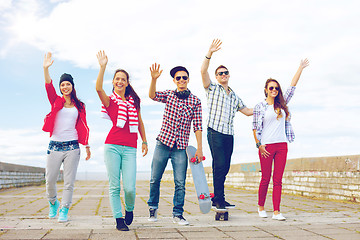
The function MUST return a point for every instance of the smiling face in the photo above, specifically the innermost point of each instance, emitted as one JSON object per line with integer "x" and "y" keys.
{"x": 272, "y": 89}
{"x": 181, "y": 79}
{"x": 120, "y": 82}
{"x": 222, "y": 75}
{"x": 66, "y": 88}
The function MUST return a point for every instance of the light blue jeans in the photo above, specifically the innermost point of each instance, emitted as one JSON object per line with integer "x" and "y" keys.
{"x": 161, "y": 156}
{"x": 121, "y": 161}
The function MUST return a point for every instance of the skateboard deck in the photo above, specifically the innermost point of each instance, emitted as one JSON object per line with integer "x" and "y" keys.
{"x": 221, "y": 215}
{"x": 201, "y": 186}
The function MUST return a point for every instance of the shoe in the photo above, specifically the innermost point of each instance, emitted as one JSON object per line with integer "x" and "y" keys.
{"x": 120, "y": 225}
{"x": 220, "y": 206}
{"x": 278, "y": 217}
{"x": 229, "y": 205}
{"x": 63, "y": 214}
{"x": 129, "y": 216}
{"x": 262, "y": 213}
{"x": 179, "y": 219}
{"x": 53, "y": 208}
{"x": 153, "y": 215}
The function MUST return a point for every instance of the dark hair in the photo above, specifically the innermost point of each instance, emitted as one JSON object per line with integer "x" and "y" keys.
{"x": 129, "y": 91}
{"x": 221, "y": 66}
{"x": 279, "y": 101}
{"x": 79, "y": 104}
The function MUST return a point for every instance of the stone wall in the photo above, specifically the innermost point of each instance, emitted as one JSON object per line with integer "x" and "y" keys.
{"x": 336, "y": 178}
{"x": 13, "y": 175}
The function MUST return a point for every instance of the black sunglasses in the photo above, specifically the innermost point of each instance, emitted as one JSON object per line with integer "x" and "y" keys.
{"x": 272, "y": 88}
{"x": 183, "y": 77}
{"x": 221, "y": 73}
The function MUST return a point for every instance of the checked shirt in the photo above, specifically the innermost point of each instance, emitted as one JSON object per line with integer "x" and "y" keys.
{"x": 178, "y": 115}
{"x": 259, "y": 114}
{"x": 222, "y": 108}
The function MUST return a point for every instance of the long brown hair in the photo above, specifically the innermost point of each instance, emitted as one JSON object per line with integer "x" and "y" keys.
{"x": 79, "y": 104}
{"x": 129, "y": 91}
{"x": 279, "y": 101}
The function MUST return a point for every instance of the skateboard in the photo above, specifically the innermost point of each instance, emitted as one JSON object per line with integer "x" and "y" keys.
{"x": 201, "y": 186}
{"x": 221, "y": 215}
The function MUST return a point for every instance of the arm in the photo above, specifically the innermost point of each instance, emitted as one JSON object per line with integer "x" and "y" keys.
{"x": 103, "y": 60}
{"x": 303, "y": 64}
{"x": 47, "y": 63}
{"x": 262, "y": 148}
{"x": 215, "y": 46}
{"x": 247, "y": 111}
{"x": 199, "y": 153}
{"x": 144, "y": 147}
{"x": 155, "y": 74}
{"x": 88, "y": 153}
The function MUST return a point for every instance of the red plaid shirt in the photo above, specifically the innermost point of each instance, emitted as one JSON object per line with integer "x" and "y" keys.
{"x": 177, "y": 118}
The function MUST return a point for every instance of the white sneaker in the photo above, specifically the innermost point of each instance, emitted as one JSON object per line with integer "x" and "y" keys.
{"x": 278, "y": 217}
{"x": 262, "y": 213}
{"x": 180, "y": 220}
{"x": 153, "y": 215}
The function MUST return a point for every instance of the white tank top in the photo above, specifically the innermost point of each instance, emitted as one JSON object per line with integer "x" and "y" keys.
{"x": 273, "y": 129}
{"x": 64, "y": 129}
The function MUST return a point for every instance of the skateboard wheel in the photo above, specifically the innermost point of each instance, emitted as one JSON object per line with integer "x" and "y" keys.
{"x": 212, "y": 195}
{"x": 193, "y": 160}
{"x": 202, "y": 196}
{"x": 203, "y": 157}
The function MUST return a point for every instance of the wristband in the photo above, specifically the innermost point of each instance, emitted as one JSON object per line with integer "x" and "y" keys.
{"x": 207, "y": 57}
{"x": 144, "y": 143}
{"x": 258, "y": 144}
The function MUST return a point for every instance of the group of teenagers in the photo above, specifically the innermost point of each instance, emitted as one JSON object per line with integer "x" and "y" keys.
{"x": 68, "y": 128}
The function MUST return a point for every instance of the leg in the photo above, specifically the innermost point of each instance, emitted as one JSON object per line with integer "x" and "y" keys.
{"x": 279, "y": 166}
{"x": 179, "y": 163}
{"x": 129, "y": 177}
{"x": 158, "y": 165}
{"x": 112, "y": 157}
{"x": 53, "y": 163}
{"x": 71, "y": 162}
{"x": 266, "y": 167}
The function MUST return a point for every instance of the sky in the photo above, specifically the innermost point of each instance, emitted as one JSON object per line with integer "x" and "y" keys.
{"x": 261, "y": 39}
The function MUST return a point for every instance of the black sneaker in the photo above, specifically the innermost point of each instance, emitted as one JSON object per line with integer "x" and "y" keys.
{"x": 129, "y": 216}
{"x": 153, "y": 215}
{"x": 179, "y": 219}
{"x": 229, "y": 205}
{"x": 220, "y": 206}
{"x": 120, "y": 225}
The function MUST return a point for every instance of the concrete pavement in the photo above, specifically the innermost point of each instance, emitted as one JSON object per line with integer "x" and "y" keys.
{"x": 23, "y": 215}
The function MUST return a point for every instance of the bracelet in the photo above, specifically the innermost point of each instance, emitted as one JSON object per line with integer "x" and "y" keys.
{"x": 144, "y": 143}
{"x": 258, "y": 144}
{"x": 207, "y": 57}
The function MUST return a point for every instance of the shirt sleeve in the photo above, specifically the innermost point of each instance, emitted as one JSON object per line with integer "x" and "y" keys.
{"x": 161, "y": 96}
{"x": 51, "y": 93}
{"x": 241, "y": 104}
{"x": 197, "y": 121}
{"x": 256, "y": 116}
{"x": 211, "y": 87}
{"x": 289, "y": 94}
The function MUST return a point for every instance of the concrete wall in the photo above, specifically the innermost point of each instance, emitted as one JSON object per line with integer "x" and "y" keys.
{"x": 13, "y": 175}
{"x": 336, "y": 178}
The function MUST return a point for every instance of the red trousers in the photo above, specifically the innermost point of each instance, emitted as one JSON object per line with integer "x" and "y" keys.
{"x": 278, "y": 154}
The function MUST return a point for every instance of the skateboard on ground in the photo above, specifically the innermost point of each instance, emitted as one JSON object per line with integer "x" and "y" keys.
{"x": 201, "y": 186}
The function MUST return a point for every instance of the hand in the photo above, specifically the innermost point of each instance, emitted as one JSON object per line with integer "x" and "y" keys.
{"x": 102, "y": 58}
{"x": 263, "y": 151}
{"x": 215, "y": 46}
{"x": 144, "y": 149}
{"x": 47, "y": 60}
{"x": 88, "y": 154}
{"x": 199, "y": 155}
{"x": 304, "y": 63}
{"x": 155, "y": 73}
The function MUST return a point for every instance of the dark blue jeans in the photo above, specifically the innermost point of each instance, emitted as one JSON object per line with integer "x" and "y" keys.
{"x": 221, "y": 147}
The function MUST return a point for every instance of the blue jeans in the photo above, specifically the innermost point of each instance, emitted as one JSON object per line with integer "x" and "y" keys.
{"x": 161, "y": 156}
{"x": 221, "y": 147}
{"x": 121, "y": 161}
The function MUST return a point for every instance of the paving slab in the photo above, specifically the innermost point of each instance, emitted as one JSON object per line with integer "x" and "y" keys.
{"x": 23, "y": 215}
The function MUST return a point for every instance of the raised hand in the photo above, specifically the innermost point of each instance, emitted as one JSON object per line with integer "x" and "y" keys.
{"x": 47, "y": 60}
{"x": 304, "y": 63}
{"x": 155, "y": 71}
{"x": 215, "y": 46}
{"x": 102, "y": 58}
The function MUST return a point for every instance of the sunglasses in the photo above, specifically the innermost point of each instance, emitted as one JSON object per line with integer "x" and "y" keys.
{"x": 272, "y": 88}
{"x": 221, "y": 73}
{"x": 183, "y": 77}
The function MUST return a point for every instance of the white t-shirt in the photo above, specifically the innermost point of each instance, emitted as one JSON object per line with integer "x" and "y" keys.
{"x": 273, "y": 129}
{"x": 64, "y": 129}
